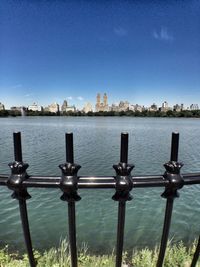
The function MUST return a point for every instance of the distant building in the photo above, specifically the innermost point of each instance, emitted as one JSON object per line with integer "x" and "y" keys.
{"x": 2, "y": 107}
{"x": 114, "y": 107}
{"x": 87, "y": 108}
{"x": 136, "y": 107}
{"x": 123, "y": 106}
{"x": 35, "y": 107}
{"x": 165, "y": 107}
{"x": 13, "y": 108}
{"x": 54, "y": 108}
{"x": 194, "y": 107}
{"x": 21, "y": 109}
{"x": 70, "y": 108}
{"x": 16, "y": 108}
{"x": 132, "y": 107}
{"x": 178, "y": 107}
{"x": 66, "y": 108}
{"x": 102, "y": 106}
{"x": 153, "y": 107}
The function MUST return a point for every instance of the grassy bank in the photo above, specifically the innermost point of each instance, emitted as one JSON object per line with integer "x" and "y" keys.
{"x": 176, "y": 256}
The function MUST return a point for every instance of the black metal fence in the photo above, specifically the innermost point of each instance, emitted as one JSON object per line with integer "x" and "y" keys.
{"x": 69, "y": 182}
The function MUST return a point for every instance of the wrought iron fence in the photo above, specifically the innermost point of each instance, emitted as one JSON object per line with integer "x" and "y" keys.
{"x": 123, "y": 182}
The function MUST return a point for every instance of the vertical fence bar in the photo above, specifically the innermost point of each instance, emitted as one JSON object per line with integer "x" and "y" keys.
{"x": 169, "y": 204}
{"x": 124, "y": 148}
{"x": 196, "y": 254}
{"x": 174, "y": 147}
{"x": 71, "y": 204}
{"x": 22, "y": 203}
{"x": 165, "y": 233}
{"x": 17, "y": 146}
{"x": 69, "y": 147}
{"x": 26, "y": 230}
{"x": 121, "y": 205}
{"x": 120, "y": 232}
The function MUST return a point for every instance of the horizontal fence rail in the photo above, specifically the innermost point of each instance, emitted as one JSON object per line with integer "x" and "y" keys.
{"x": 123, "y": 182}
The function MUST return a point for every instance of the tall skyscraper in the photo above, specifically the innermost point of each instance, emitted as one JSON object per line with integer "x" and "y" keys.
{"x": 105, "y": 100}
{"x": 98, "y": 99}
{"x": 64, "y": 106}
{"x": 2, "y": 107}
{"x": 165, "y": 106}
{"x": 102, "y": 106}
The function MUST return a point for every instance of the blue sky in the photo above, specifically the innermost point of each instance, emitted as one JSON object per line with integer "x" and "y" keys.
{"x": 140, "y": 51}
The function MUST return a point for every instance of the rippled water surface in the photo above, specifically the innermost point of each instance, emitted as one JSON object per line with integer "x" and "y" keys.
{"x": 97, "y": 142}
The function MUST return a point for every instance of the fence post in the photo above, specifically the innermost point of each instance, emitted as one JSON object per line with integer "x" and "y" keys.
{"x": 196, "y": 254}
{"x": 69, "y": 186}
{"x": 15, "y": 183}
{"x": 123, "y": 187}
{"x": 175, "y": 182}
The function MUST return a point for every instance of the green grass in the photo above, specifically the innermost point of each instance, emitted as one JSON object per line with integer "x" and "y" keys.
{"x": 177, "y": 255}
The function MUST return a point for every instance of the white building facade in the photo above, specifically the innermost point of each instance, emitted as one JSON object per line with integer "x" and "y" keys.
{"x": 35, "y": 107}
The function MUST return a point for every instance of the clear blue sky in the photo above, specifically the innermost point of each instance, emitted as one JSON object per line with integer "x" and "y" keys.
{"x": 140, "y": 51}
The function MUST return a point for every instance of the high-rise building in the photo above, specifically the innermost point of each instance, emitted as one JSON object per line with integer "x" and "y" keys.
{"x": 194, "y": 107}
{"x": 64, "y": 106}
{"x": 165, "y": 106}
{"x": 2, "y": 107}
{"x": 54, "y": 108}
{"x": 105, "y": 100}
{"x": 153, "y": 107}
{"x": 182, "y": 106}
{"x": 102, "y": 106}
{"x": 98, "y": 99}
{"x": 87, "y": 108}
{"x": 178, "y": 107}
{"x": 123, "y": 105}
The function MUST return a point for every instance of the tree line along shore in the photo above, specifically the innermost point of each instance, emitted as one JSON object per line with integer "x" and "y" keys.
{"x": 128, "y": 113}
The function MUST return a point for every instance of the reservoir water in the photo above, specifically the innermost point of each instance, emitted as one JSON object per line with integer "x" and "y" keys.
{"x": 96, "y": 144}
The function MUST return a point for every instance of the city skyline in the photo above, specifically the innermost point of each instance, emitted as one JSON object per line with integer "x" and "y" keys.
{"x": 146, "y": 52}
{"x": 102, "y": 104}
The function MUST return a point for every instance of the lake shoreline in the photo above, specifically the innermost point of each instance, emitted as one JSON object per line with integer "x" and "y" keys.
{"x": 128, "y": 113}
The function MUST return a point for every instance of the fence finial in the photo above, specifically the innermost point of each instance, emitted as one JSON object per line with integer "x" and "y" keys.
{"x": 69, "y": 179}
{"x": 15, "y": 183}
{"x": 123, "y": 170}
{"x": 174, "y": 182}
{"x": 18, "y": 171}
{"x": 172, "y": 173}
